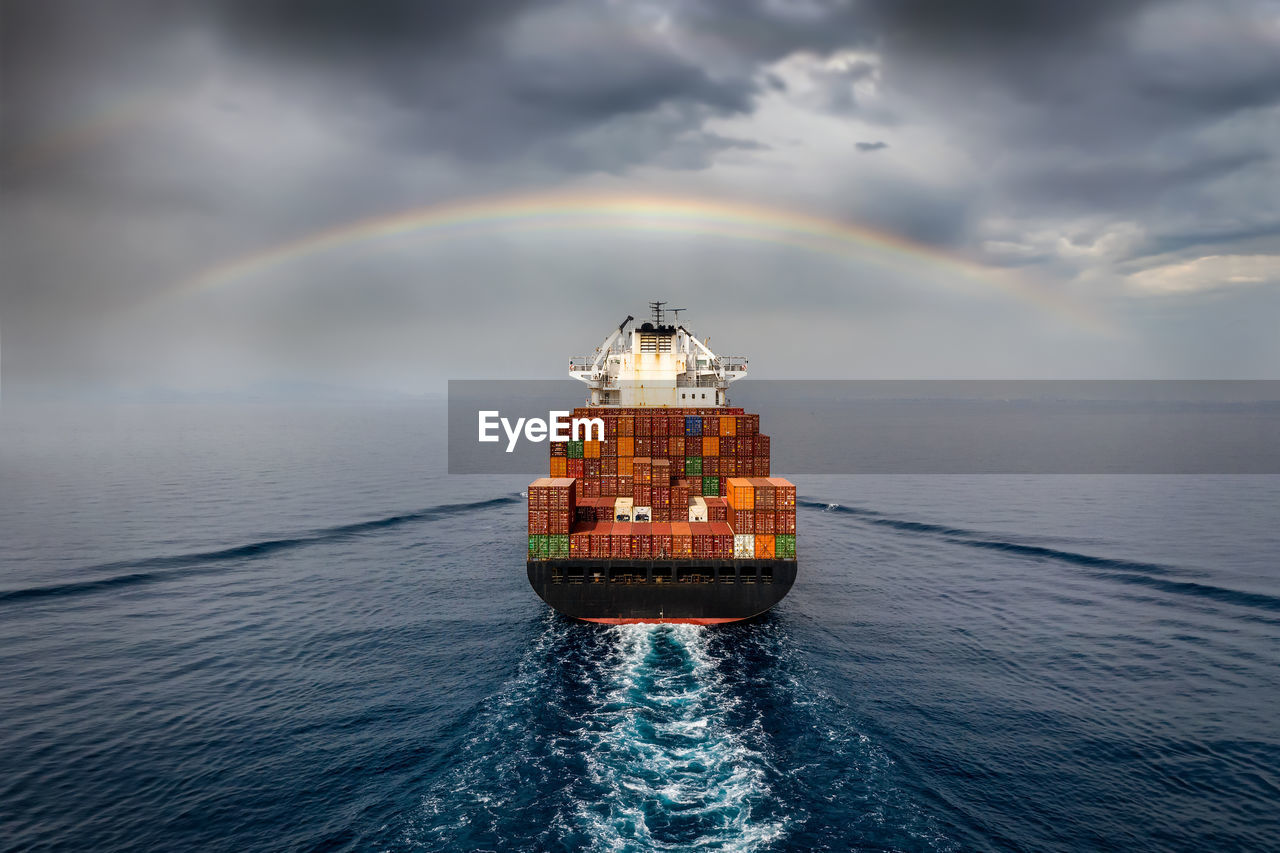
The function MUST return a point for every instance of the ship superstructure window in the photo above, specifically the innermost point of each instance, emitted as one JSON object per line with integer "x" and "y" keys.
{"x": 655, "y": 343}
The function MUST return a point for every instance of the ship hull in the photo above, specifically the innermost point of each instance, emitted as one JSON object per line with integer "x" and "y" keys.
{"x": 701, "y": 592}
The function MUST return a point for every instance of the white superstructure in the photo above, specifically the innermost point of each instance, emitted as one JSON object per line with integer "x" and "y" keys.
{"x": 656, "y": 364}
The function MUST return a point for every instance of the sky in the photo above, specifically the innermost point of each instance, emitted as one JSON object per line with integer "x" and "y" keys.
{"x": 208, "y": 196}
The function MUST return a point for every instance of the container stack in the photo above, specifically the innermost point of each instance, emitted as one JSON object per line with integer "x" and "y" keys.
{"x": 682, "y": 484}
{"x": 551, "y": 517}
{"x": 762, "y": 514}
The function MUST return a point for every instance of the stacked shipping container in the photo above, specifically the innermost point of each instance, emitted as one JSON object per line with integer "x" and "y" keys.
{"x": 762, "y": 513}
{"x": 692, "y": 485}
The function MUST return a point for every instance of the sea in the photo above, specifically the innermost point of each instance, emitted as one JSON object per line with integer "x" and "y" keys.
{"x": 284, "y": 627}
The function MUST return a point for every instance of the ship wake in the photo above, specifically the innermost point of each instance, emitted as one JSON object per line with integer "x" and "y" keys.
{"x": 626, "y": 738}
{"x": 666, "y": 768}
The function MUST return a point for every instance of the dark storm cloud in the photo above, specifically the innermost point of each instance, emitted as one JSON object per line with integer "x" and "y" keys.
{"x": 282, "y": 117}
{"x": 485, "y": 81}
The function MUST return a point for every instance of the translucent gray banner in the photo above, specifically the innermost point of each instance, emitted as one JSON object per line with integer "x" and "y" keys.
{"x": 933, "y": 427}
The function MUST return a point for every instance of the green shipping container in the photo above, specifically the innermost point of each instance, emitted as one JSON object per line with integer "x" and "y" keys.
{"x": 784, "y": 547}
{"x": 711, "y": 486}
{"x": 575, "y": 450}
{"x": 538, "y": 546}
{"x": 558, "y": 546}
{"x": 693, "y": 466}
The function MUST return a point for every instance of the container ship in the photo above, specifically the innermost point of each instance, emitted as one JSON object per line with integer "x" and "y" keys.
{"x": 669, "y": 513}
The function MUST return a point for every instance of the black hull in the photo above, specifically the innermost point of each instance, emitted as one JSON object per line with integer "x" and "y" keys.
{"x": 698, "y": 591}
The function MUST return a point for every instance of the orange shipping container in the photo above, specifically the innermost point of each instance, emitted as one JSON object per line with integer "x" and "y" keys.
{"x": 559, "y": 466}
{"x": 710, "y": 445}
{"x": 626, "y": 445}
{"x": 728, "y": 425}
{"x": 591, "y": 449}
{"x": 740, "y": 493}
{"x": 764, "y": 546}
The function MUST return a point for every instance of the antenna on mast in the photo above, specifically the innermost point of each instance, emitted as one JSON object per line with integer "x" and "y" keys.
{"x": 676, "y": 311}
{"x": 656, "y": 308}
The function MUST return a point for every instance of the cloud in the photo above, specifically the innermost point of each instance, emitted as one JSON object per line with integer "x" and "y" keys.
{"x": 1207, "y": 273}
{"x": 1100, "y": 143}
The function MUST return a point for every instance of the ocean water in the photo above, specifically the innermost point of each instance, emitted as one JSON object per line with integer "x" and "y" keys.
{"x": 285, "y": 628}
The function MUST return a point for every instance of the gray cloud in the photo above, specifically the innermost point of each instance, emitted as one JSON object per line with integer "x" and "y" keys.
{"x": 144, "y": 142}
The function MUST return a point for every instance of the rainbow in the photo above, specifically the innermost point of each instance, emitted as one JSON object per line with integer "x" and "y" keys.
{"x": 653, "y": 213}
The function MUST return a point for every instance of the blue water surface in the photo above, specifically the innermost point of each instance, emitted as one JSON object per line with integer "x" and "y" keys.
{"x": 286, "y": 628}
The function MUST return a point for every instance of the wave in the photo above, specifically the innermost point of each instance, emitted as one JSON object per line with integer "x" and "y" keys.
{"x": 1152, "y": 575}
{"x": 165, "y": 567}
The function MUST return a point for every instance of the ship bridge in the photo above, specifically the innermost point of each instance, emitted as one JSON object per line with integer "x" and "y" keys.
{"x": 656, "y": 363}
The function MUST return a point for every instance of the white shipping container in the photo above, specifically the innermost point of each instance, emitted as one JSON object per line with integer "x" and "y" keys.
{"x": 698, "y": 512}
{"x": 642, "y": 513}
{"x": 744, "y": 546}
{"x": 622, "y": 509}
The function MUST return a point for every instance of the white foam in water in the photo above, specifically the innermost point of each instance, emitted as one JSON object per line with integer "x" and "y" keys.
{"x": 666, "y": 769}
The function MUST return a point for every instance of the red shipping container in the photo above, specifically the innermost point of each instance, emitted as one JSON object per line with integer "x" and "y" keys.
{"x": 642, "y": 470}
{"x": 580, "y": 542}
{"x": 662, "y": 547}
{"x": 722, "y": 541}
{"x": 766, "y": 522}
{"x": 786, "y": 521}
{"x": 624, "y": 487}
{"x": 643, "y": 495}
{"x": 601, "y": 544}
{"x": 675, "y": 446}
{"x": 717, "y": 510}
{"x": 608, "y": 486}
{"x": 764, "y": 492}
{"x": 681, "y": 540}
{"x": 659, "y": 427}
{"x": 620, "y": 540}
{"x": 710, "y": 425}
{"x": 641, "y": 541}
{"x": 742, "y": 520}
{"x": 786, "y": 492}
